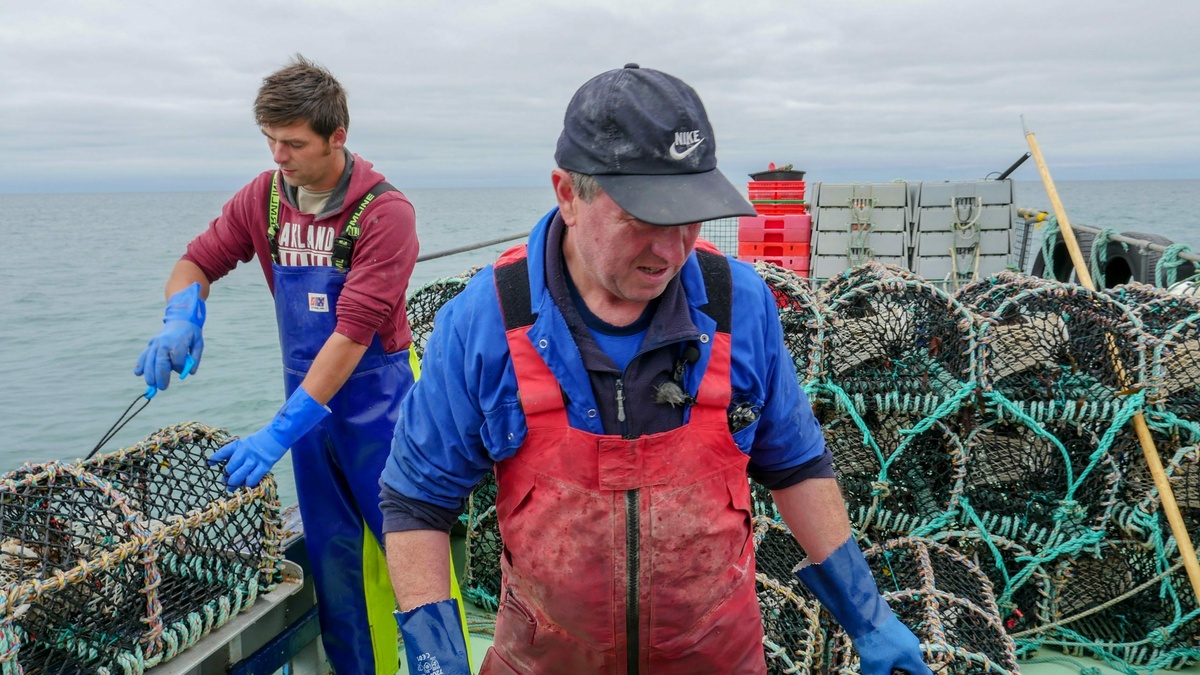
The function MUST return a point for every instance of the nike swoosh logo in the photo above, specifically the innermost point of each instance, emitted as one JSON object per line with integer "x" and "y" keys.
{"x": 677, "y": 155}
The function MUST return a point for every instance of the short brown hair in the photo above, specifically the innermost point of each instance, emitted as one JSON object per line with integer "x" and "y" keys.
{"x": 302, "y": 91}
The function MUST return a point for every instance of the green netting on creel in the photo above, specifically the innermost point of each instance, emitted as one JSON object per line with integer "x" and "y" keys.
{"x": 945, "y": 600}
{"x": 121, "y": 562}
{"x": 899, "y": 337}
{"x": 1157, "y": 308}
{"x": 1170, "y": 327}
{"x": 997, "y": 420}
{"x": 1063, "y": 344}
{"x": 800, "y": 313}
{"x": 1028, "y": 604}
{"x": 481, "y": 580}
{"x": 894, "y": 481}
{"x": 862, "y": 275}
{"x": 423, "y": 305}
{"x": 1139, "y": 505}
{"x": 1145, "y": 619}
{"x": 1041, "y": 486}
{"x": 1174, "y": 381}
{"x": 986, "y": 293}
{"x": 77, "y": 589}
{"x": 794, "y": 634}
{"x": 216, "y": 550}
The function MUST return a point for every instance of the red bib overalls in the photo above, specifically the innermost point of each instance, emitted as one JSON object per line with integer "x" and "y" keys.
{"x": 624, "y": 555}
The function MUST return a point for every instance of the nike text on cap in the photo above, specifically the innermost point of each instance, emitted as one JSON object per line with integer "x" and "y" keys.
{"x": 644, "y": 136}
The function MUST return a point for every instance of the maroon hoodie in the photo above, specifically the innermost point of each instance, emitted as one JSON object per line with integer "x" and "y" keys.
{"x": 383, "y": 259}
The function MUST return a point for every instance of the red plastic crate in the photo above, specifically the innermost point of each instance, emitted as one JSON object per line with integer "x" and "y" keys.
{"x": 797, "y": 264}
{"x": 770, "y": 249}
{"x": 776, "y": 207}
{"x": 796, "y": 227}
{"x": 775, "y": 189}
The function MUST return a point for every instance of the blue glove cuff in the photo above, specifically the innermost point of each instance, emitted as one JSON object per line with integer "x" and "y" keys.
{"x": 297, "y": 417}
{"x": 845, "y": 586}
{"x": 186, "y": 305}
{"x": 433, "y": 639}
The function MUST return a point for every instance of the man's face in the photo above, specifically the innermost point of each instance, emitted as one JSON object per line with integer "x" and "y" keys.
{"x": 306, "y": 159}
{"x": 625, "y": 263}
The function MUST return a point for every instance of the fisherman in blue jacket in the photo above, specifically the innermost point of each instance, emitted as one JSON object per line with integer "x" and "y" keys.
{"x": 622, "y": 381}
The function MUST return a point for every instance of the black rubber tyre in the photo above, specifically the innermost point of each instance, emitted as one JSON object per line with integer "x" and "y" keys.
{"x": 1145, "y": 261}
{"x": 1064, "y": 269}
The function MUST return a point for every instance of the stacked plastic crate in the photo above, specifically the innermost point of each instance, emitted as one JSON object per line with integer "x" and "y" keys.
{"x": 963, "y": 230}
{"x": 781, "y": 233}
{"x": 857, "y": 223}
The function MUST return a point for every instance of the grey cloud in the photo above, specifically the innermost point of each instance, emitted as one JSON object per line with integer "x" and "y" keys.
{"x": 146, "y": 95}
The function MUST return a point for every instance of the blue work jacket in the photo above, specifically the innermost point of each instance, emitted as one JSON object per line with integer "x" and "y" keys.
{"x": 463, "y": 414}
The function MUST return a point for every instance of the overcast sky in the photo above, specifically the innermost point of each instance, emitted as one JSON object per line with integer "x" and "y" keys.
{"x": 139, "y": 96}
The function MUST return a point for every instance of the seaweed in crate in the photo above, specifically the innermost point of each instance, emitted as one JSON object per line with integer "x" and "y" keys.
{"x": 77, "y": 574}
{"x": 215, "y": 550}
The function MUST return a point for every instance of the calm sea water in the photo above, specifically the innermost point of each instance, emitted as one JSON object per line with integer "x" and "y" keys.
{"x": 82, "y": 293}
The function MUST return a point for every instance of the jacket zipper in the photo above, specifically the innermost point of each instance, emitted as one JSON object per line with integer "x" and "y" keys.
{"x": 620, "y": 385}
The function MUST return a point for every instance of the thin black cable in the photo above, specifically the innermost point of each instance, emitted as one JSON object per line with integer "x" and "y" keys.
{"x": 119, "y": 424}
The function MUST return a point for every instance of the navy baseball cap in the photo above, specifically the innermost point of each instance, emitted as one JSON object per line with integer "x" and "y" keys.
{"x": 645, "y": 138}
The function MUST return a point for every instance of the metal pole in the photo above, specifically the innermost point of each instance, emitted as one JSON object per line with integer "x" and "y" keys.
{"x": 472, "y": 247}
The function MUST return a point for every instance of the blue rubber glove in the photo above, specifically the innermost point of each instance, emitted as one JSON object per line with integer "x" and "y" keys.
{"x": 179, "y": 340}
{"x": 249, "y": 459}
{"x": 433, "y": 639}
{"x": 844, "y": 585}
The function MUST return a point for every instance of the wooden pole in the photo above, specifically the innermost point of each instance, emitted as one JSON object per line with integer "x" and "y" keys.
{"x": 1183, "y": 541}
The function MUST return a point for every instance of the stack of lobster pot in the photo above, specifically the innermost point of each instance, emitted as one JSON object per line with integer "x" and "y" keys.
{"x": 896, "y": 367}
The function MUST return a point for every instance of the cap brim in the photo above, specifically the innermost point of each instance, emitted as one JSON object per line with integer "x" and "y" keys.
{"x": 676, "y": 199}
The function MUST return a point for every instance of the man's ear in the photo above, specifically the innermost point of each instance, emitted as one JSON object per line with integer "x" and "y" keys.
{"x": 564, "y": 192}
{"x": 337, "y": 139}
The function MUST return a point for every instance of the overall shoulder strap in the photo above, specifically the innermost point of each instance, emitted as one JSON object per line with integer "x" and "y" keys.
{"x": 718, "y": 284}
{"x": 273, "y": 218}
{"x": 714, "y": 393}
{"x": 511, "y": 273}
{"x": 343, "y": 246}
{"x": 540, "y": 394}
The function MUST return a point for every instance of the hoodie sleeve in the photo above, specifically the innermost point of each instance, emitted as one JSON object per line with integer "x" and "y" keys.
{"x": 230, "y": 239}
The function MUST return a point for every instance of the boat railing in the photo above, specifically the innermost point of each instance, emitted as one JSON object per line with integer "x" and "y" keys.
{"x": 1033, "y": 217}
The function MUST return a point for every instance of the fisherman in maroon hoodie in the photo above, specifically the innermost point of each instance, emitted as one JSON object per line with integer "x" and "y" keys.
{"x": 337, "y": 245}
